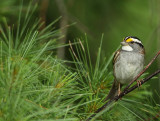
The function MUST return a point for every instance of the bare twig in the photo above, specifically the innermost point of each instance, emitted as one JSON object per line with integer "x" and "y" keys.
{"x": 142, "y": 82}
{"x": 127, "y": 89}
{"x": 116, "y": 98}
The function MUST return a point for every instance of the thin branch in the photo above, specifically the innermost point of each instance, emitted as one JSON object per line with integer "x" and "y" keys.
{"x": 142, "y": 82}
{"x": 116, "y": 98}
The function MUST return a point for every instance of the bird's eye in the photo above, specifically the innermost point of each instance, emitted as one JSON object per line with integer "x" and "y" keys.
{"x": 132, "y": 42}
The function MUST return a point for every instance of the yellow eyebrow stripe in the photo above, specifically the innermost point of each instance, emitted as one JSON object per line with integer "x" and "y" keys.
{"x": 129, "y": 40}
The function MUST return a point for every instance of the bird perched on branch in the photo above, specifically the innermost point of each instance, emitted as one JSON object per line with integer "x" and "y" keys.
{"x": 128, "y": 62}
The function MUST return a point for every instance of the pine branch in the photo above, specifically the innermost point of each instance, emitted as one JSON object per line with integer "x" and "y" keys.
{"x": 127, "y": 89}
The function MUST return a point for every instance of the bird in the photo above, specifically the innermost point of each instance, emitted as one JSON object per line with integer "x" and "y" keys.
{"x": 128, "y": 62}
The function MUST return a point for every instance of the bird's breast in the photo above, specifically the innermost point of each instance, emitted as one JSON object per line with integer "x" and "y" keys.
{"x": 127, "y": 67}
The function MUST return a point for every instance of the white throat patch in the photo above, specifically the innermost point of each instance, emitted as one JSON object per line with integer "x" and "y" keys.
{"x": 127, "y": 48}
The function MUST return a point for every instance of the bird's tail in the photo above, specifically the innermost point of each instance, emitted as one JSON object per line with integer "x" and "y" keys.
{"x": 113, "y": 92}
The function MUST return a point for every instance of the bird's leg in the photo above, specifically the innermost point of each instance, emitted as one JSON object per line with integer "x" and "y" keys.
{"x": 139, "y": 83}
{"x": 119, "y": 89}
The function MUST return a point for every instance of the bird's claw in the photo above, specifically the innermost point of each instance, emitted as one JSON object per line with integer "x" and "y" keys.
{"x": 119, "y": 89}
{"x": 139, "y": 83}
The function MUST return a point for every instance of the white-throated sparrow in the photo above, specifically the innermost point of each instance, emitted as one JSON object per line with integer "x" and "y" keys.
{"x": 127, "y": 63}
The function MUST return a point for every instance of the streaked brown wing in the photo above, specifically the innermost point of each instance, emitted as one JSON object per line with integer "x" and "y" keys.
{"x": 116, "y": 56}
{"x": 142, "y": 51}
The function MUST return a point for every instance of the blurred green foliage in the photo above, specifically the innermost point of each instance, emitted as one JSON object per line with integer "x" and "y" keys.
{"x": 116, "y": 19}
{"x": 79, "y": 91}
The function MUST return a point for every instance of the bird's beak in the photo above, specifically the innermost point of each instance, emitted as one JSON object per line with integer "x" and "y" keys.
{"x": 124, "y": 43}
